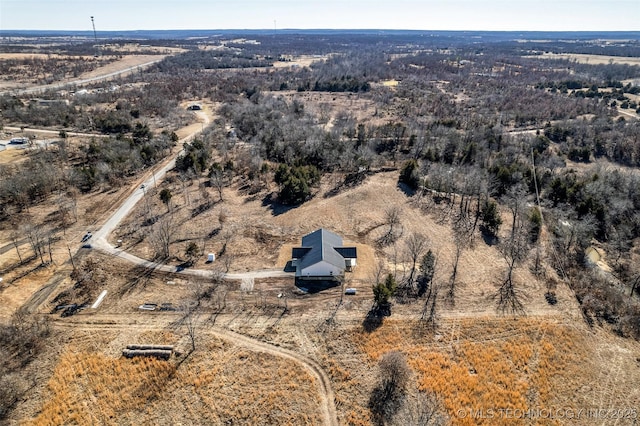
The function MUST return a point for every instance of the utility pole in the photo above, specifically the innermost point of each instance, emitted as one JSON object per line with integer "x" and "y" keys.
{"x": 95, "y": 36}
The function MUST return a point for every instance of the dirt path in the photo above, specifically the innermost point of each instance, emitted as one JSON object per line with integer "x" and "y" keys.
{"x": 323, "y": 382}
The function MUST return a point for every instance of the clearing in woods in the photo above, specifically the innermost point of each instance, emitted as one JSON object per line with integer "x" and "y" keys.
{"x": 592, "y": 59}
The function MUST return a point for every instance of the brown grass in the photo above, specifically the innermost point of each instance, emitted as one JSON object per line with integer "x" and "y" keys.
{"x": 493, "y": 364}
{"x": 218, "y": 384}
{"x": 591, "y": 59}
{"x": 12, "y": 156}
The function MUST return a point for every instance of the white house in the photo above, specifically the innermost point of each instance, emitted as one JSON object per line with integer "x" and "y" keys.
{"x": 322, "y": 257}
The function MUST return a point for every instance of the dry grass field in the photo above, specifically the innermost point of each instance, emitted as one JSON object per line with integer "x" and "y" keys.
{"x": 484, "y": 364}
{"x": 220, "y": 383}
{"x": 299, "y": 61}
{"x": 12, "y": 156}
{"x": 592, "y": 59}
{"x": 258, "y": 237}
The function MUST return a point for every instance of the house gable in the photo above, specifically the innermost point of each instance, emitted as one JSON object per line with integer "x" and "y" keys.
{"x": 322, "y": 256}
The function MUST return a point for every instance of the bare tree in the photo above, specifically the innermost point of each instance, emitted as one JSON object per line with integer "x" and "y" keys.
{"x": 63, "y": 214}
{"x": 191, "y": 323}
{"x": 415, "y": 245}
{"x": 162, "y": 235}
{"x": 515, "y": 200}
{"x": 50, "y": 236}
{"x": 184, "y": 178}
{"x": 514, "y": 250}
{"x": 217, "y": 179}
{"x": 73, "y": 195}
{"x": 463, "y": 239}
{"x": 15, "y": 240}
{"x": 392, "y": 220}
{"x": 36, "y": 236}
{"x": 429, "y": 311}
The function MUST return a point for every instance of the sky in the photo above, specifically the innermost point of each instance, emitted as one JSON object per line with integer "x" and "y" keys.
{"x": 486, "y": 15}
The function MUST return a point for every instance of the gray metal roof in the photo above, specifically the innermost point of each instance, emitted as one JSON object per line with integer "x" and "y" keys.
{"x": 347, "y": 252}
{"x": 322, "y": 243}
{"x": 299, "y": 252}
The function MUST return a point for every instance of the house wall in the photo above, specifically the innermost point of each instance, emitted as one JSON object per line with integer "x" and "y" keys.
{"x": 321, "y": 269}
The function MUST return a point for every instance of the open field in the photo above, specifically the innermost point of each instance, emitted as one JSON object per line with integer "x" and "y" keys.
{"x": 473, "y": 363}
{"x": 299, "y": 61}
{"x": 219, "y": 384}
{"x": 8, "y": 156}
{"x": 591, "y": 59}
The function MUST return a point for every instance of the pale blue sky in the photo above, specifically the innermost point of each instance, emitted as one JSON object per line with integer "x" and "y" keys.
{"x": 519, "y": 15}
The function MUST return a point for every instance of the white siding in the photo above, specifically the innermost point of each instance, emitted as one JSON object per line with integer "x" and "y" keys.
{"x": 321, "y": 269}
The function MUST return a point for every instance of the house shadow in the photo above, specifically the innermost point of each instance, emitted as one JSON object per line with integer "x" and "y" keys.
{"x": 312, "y": 287}
{"x": 276, "y": 208}
{"x": 289, "y": 267}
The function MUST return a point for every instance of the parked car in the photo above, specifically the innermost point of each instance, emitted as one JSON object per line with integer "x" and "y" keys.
{"x": 148, "y": 307}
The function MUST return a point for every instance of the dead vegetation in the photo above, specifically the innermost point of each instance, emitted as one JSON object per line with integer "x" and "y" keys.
{"x": 222, "y": 383}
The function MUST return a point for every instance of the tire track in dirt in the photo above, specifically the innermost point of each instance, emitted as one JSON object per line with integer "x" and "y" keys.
{"x": 323, "y": 382}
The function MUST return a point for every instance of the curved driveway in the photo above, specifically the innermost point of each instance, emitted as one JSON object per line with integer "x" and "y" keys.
{"x": 100, "y": 241}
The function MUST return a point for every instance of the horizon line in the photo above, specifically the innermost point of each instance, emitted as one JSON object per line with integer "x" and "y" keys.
{"x": 322, "y": 29}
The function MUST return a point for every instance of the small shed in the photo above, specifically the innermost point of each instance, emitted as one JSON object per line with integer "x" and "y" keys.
{"x": 211, "y": 257}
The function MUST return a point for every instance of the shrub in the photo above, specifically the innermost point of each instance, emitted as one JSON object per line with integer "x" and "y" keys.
{"x": 409, "y": 174}
{"x": 295, "y": 183}
{"x": 490, "y": 216}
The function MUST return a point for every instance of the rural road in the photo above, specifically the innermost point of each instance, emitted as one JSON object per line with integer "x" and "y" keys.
{"x": 80, "y": 82}
{"x": 55, "y": 132}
